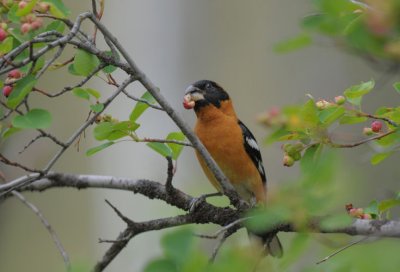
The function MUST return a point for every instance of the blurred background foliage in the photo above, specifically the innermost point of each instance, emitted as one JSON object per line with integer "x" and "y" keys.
{"x": 231, "y": 42}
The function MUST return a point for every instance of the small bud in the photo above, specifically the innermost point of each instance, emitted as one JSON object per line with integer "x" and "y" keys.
{"x": 376, "y": 126}
{"x": 4, "y": 26}
{"x": 297, "y": 156}
{"x": 7, "y": 90}
{"x": 37, "y": 23}
{"x": 14, "y": 74}
{"x": 322, "y": 104}
{"x": 288, "y": 161}
{"x": 340, "y": 100}
{"x": 286, "y": 147}
{"x": 25, "y": 28}
{"x": 22, "y": 4}
{"x": 43, "y": 7}
{"x": 367, "y": 131}
{"x": 3, "y": 34}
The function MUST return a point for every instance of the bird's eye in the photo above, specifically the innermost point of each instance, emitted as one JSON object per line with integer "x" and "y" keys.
{"x": 208, "y": 86}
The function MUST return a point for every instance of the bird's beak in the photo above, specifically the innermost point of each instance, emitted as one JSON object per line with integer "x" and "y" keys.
{"x": 192, "y": 94}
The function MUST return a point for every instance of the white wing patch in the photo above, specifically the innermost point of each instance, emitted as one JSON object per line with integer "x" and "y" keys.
{"x": 261, "y": 168}
{"x": 252, "y": 143}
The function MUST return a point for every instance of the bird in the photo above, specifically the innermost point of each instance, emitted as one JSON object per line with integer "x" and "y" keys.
{"x": 233, "y": 147}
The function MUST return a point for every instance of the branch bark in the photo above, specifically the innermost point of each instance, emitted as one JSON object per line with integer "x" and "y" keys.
{"x": 205, "y": 213}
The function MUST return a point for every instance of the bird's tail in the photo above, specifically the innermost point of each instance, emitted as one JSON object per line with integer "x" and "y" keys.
{"x": 270, "y": 242}
{"x": 272, "y": 246}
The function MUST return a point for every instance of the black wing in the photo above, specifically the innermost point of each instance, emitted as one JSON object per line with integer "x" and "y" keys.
{"x": 252, "y": 149}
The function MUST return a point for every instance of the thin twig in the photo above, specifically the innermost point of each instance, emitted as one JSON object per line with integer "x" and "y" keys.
{"x": 170, "y": 175}
{"x": 128, "y": 221}
{"x": 48, "y": 227}
{"x": 342, "y": 249}
{"x": 50, "y": 61}
{"x": 153, "y": 140}
{"x": 377, "y": 137}
{"x": 15, "y": 164}
{"x": 222, "y": 230}
{"x": 143, "y": 101}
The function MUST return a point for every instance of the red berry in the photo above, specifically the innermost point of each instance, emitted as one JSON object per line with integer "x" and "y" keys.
{"x": 43, "y": 7}
{"x": 3, "y": 34}
{"x": 37, "y": 23}
{"x": 26, "y": 27}
{"x": 22, "y": 4}
{"x": 7, "y": 90}
{"x": 376, "y": 126}
{"x": 15, "y": 74}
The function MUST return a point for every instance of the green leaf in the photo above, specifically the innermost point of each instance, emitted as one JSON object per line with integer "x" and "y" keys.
{"x": 9, "y": 131}
{"x": 276, "y": 135}
{"x": 72, "y": 71}
{"x": 93, "y": 93}
{"x": 111, "y": 132}
{"x": 349, "y": 120}
{"x": 57, "y": 8}
{"x": 387, "y": 204}
{"x": 97, "y": 107}
{"x": 22, "y": 88}
{"x": 6, "y": 45}
{"x": 294, "y": 251}
{"x": 161, "y": 265}
{"x": 355, "y": 93}
{"x": 313, "y": 21}
{"x": 82, "y": 93}
{"x": 126, "y": 126}
{"x": 264, "y": 219}
{"x": 331, "y": 115}
{"x": 39, "y": 64}
{"x": 12, "y": 13}
{"x": 103, "y": 130}
{"x": 295, "y": 43}
{"x": 178, "y": 245}
{"x": 397, "y": 87}
{"x": 141, "y": 107}
{"x": 110, "y": 68}
{"x": 309, "y": 114}
{"x": 27, "y": 9}
{"x": 85, "y": 63}
{"x": 160, "y": 148}
{"x": 372, "y": 208}
{"x": 336, "y": 221}
{"x": 35, "y": 118}
{"x": 379, "y": 157}
{"x": 176, "y": 148}
{"x": 96, "y": 149}
{"x": 57, "y": 26}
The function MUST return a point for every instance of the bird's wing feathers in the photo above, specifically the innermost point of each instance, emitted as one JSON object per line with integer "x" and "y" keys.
{"x": 252, "y": 149}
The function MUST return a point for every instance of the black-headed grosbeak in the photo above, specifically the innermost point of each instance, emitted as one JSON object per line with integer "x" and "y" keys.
{"x": 232, "y": 146}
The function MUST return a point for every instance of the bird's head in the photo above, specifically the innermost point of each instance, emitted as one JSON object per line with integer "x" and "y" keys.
{"x": 203, "y": 93}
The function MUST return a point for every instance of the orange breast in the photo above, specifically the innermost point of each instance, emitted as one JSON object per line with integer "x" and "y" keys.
{"x": 222, "y": 136}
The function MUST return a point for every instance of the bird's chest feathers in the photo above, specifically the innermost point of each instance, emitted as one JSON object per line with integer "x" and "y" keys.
{"x": 223, "y": 138}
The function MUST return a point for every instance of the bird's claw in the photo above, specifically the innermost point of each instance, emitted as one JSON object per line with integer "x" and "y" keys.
{"x": 196, "y": 201}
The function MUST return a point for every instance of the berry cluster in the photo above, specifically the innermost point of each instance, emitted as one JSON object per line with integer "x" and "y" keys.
{"x": 292, "y": 153}
{"x": 11, "y": 78}
{"x": 357, "y": 212}
{"x": 323, "y": 104}
{"x": 29, "y": 23}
